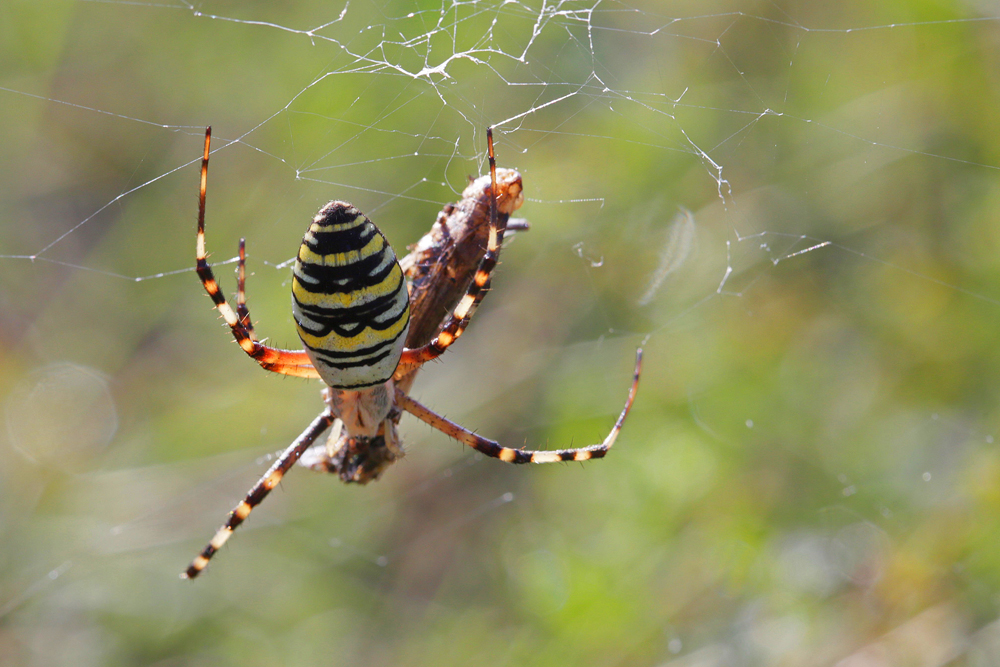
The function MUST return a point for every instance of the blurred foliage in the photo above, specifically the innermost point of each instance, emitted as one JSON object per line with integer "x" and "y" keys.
{"x": 810, "y": 475}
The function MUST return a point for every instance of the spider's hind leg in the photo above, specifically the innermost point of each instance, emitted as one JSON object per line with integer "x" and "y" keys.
{"x": 259, "y": 491}
{"x": 510, "y": 454}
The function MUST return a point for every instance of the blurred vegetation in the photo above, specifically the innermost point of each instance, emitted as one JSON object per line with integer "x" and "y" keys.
{"x": 810, "y": 475}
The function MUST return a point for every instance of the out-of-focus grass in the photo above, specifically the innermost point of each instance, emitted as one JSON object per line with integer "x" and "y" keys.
{"x": 810, "y": 473}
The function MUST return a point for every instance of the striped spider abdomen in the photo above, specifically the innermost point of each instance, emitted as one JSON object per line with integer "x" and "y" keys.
{"x": 349, "y": 299}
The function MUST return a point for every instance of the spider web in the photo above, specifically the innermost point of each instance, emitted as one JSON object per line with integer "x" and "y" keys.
{"x": 789, "y": 208}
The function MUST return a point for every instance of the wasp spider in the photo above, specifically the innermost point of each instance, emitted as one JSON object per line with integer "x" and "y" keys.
{"x": 351, "y": 309}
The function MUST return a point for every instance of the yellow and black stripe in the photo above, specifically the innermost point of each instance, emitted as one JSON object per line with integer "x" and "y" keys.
{"x": 349, "y": 299}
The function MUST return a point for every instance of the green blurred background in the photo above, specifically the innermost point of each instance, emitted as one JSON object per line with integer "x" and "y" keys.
{"x": 792, "y": 206}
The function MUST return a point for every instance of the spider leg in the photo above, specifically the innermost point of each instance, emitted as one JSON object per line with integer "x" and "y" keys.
{"x": 242, "y": 311}
{"x": 285, "y": 362}
{"x": 477, "y": 288}
{"x": 259, "y": 492}
{"x": 510, "y": 455}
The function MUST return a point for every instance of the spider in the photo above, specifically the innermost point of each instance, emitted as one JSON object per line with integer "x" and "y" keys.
{"x": 351, "y": 309}
{"x": 438, "y": 270}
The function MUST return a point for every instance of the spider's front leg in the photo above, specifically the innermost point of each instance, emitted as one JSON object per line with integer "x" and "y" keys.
{"x": 284, "y": 362}
{"x": 413, "y": 359}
